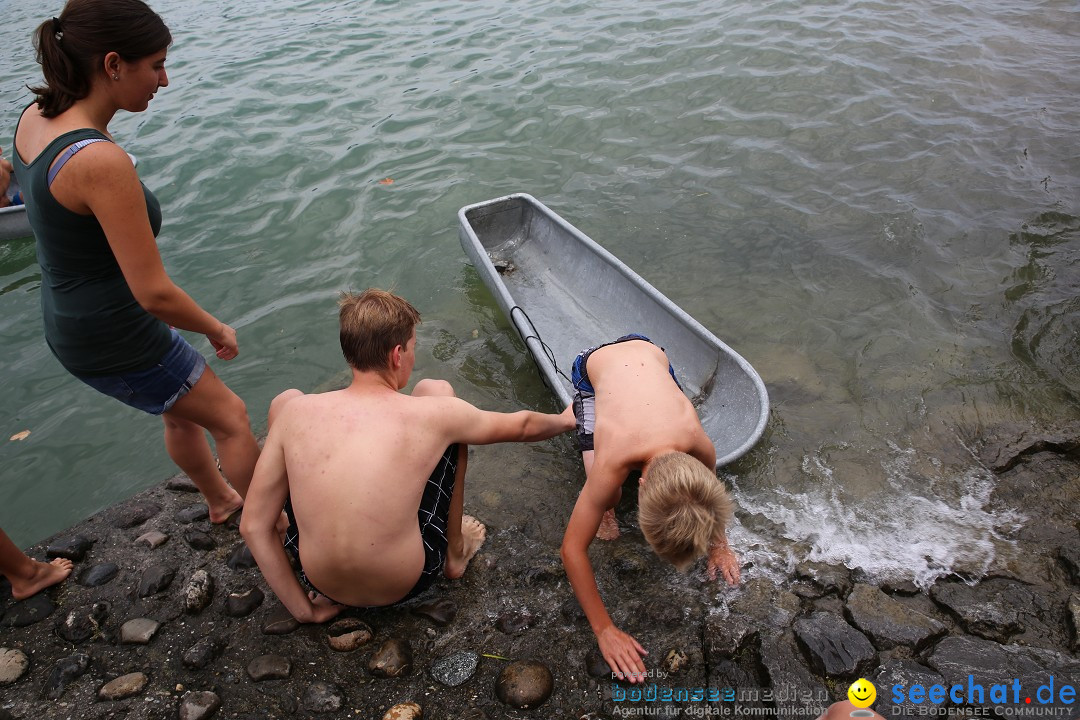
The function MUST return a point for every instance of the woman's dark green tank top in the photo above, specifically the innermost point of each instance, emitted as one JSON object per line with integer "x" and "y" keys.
{"x": 93, "y": 324}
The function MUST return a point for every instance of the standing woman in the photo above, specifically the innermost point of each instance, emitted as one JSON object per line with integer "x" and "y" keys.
{"x": 107, "y": 301}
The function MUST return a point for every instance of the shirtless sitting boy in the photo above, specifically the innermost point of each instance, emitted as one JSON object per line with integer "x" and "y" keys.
{"x": 632, "y": 415}
{"x": 372, "y": 479}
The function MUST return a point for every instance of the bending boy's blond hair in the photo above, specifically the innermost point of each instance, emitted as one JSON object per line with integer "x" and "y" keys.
{"x": 681, "y": 507}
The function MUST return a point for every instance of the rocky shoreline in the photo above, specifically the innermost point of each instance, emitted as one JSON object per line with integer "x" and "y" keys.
{"x": 166, "y": 616}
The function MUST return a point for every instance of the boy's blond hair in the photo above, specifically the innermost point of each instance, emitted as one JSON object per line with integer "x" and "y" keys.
{"x": 682, "y": 506}
{"x": 372, "y": 324}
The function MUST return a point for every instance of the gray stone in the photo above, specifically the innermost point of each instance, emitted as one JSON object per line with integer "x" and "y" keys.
{"x": 404, "y": 711}
{"x": 182, "y": 483}
{"x": 199, "y": 591}
{"x": 73, "y": 548}
{"x": 136, "y": 513}
{"x": 830, "y": 578}
{"x": 279, "y": 621}
{"x": 63, "y": 674}
{"x": 889, "y": 622}
{"x": 322, "y": 697}
{"x": 454, "y": 669}
{"x": 1069, "y": 556}
{"x": 348, "y": 634}
{"x": 900, "y": 587}
{"x": 906, "y": 673}
{"x": 97, "y": 575}
{"x": 394, "y": 658}
{"x": 13, "y": 664}
{"x": 833, "y": 647}
{"x": 726, "y": 636}
{"x": 193, "y": 513}
{"x": 991, "y": 609}
{"x": 241, "y": 558}
{"x": 123, "y": 687}
{"x": 269, "y": 667}
{"x": 32, "y": 610}
{"x": 441, "y": 612}
{"x": 243, "y": 603}
{"x": 199, "y": 705}
{"x": 155, "y": 579}
{"x": 524, "y": 684}
{"x": 153, "y": 538}
{"x": 199, "y": 540}
{"x": 138, "y": 631}
{"x": 203, "y": 652}
{"x": 77, "y": 626}
{"x": 1003, "y": 456}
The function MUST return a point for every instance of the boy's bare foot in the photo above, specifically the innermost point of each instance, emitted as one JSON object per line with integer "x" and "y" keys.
{"x": 45, "y": 575}
{"x": 473, "y": 534}
{"x": 224, "y": 507}
{"x": 609, "y": 528}
{"x": 222, "y": 515}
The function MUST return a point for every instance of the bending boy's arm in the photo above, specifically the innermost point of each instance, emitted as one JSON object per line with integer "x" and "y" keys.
{"x": 265, "y": 499}
{"x": 621, "y": 651}
{"x": 722, "y": 558}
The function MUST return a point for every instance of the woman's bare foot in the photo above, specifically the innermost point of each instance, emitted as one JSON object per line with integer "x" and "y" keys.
{"x": 44, "y": 575}
{"x": 609, "y": 528}
{"x": 473, "y": 534}
{"x": 224, "y": 508}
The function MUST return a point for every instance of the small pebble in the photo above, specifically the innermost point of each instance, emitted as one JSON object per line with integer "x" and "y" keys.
{"x": 455, "y": 669}
{"x": 203, "y": 652}
{"x": 13, "y": 664}
{"x": 97, "y": 575}
{"x": 348, "y": 634}
{"x": 393, "y": 659}
{"x": 322, "y": 697}
{"x": 199, "y": 705}
{"x": 138, "y": 631}
{"x": 63, "y": 674}
{"x": 155, "y": 579}
{"x": 241, "y": 558}
{"x": 404, "y": 711}
{"x": 123, "y": 686}
{"x": 243, "y": 604}
{"x": 73, "y": 548}
{"x": 199, "y": 540}
{"x": 279, "y": 621}
{"x": 154, "y": 539}
{"x": 199, "y": 591}
{"x": 524, "y": 684}
{"x": 136, "y": 513}
{"x": 269, "y": 667}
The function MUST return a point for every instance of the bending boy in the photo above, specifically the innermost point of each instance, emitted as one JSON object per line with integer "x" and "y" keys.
{"x": 632, "y": 415}
{"x": 372, "y": 479}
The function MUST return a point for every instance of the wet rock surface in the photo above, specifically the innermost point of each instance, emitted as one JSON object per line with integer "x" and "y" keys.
{"x": 1019, "y": 622}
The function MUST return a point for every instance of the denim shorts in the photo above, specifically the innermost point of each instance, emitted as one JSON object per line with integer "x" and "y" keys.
{"x": 157, "y": 388}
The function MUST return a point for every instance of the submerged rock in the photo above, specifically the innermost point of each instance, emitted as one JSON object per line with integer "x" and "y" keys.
{"x": 394, "y": 658}
{"x": 524, "y": 684}
{"x": 889, "y": 622}
{"x": 833, "y": 646}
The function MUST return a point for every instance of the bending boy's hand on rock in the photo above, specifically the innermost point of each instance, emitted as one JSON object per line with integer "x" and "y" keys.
{"x": 623, "y": 654}
{"x": 322, "y": 608}
{"x": 723, "y": 559}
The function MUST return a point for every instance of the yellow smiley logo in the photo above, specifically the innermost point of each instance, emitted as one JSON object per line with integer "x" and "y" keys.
{"x": 862, "y": 693}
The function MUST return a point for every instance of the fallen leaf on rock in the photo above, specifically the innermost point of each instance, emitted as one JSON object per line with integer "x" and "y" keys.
{"x": 21, "y": 435}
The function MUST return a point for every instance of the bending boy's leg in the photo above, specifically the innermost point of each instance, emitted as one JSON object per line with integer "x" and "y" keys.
{"x": 464, "y": 533}
{"x": 26, "y": 575}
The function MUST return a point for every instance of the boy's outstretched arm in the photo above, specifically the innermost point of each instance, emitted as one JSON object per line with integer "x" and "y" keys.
{"x": 266, "y": 497}
{"x": 722, "y": 558}
{"x": 621, "y": 651}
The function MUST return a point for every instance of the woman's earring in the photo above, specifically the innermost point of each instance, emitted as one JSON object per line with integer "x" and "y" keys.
{"x": 115, "y": 77}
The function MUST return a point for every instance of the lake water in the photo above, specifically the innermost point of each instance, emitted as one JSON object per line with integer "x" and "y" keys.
{"x": 876, "y": 204}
